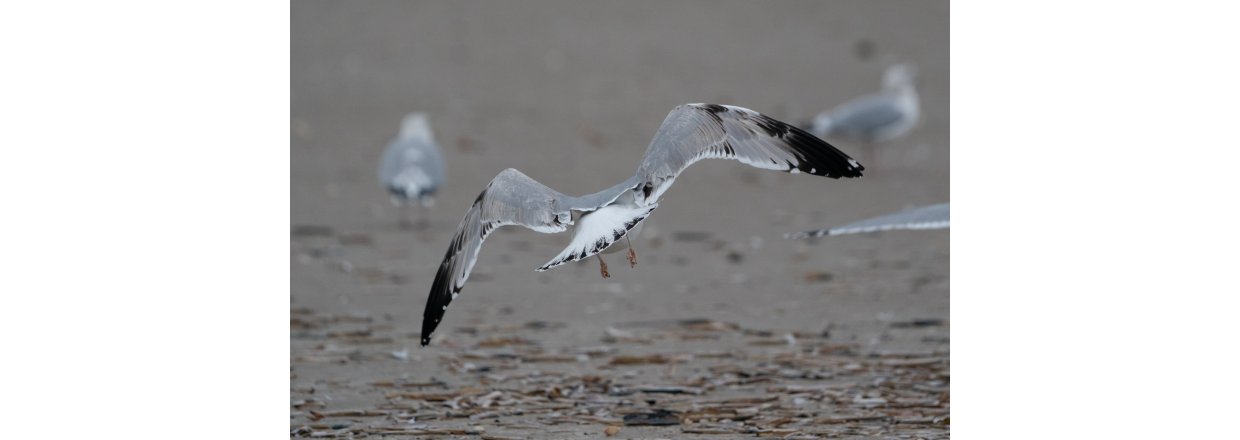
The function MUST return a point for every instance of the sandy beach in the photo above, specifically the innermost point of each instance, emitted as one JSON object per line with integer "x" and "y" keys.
{"x": 724, "y": 329}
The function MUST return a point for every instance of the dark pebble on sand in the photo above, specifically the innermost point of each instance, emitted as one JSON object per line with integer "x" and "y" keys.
{"x": 653, "y": 418}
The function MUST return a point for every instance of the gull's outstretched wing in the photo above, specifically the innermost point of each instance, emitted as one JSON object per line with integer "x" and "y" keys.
{"x": 926, "y": 217}
{"x": 693, "y": 132}
{"x": 512, "y": 198}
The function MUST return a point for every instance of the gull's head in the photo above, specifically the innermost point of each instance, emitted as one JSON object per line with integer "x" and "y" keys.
{"x": 416, "y": 126}
{"x": 650, "y": 188}
{"x": 899, "y": 75}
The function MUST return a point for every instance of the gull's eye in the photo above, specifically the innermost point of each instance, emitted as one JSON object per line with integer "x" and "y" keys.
{"x": 646, "y": 189}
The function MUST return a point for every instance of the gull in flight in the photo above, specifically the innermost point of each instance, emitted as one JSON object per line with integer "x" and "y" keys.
{"x": 926, "y": 217}
{"x": 879, "y": 117}
{"x": 412, "y": 167}
{"x": 690, "y": 133}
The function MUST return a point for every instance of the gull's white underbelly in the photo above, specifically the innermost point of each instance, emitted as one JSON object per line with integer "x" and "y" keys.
{"x": 602, "y": 231}
{"x": 623, "y": 244}
{"x": 603, "y": 222}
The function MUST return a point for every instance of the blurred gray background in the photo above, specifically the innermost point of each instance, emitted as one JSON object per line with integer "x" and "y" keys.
{"x": 571, "y": 93}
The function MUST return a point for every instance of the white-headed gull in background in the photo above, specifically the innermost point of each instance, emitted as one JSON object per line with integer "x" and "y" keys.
{"x": 690, "y": 133}
{"x": 879, "y": 117}
{"x": 412, "y": 168}
{"x": 926, "y": 217}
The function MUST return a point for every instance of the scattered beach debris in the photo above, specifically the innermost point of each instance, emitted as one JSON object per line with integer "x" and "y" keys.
{"x": 819, "y": 277}
{"x": 922, "y": 322}
{"x": 686, "y": 376}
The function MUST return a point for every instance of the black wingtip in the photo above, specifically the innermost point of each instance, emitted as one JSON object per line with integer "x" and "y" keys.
{"x": 819, "y": 157}
{"x": 426, "y": 331}
{"x": 437, "y": 300}
{"x": 442, "y": 289}
{"x": 430, "y": 321}
{"x": 814, "y": 155}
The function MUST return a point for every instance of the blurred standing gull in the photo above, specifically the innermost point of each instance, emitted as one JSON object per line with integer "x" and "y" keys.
{"x": 879, "y": 117}
{"x": 412, "y": 167}
{"x": 926, "y": 217}
{"x": 689, "y": 133}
